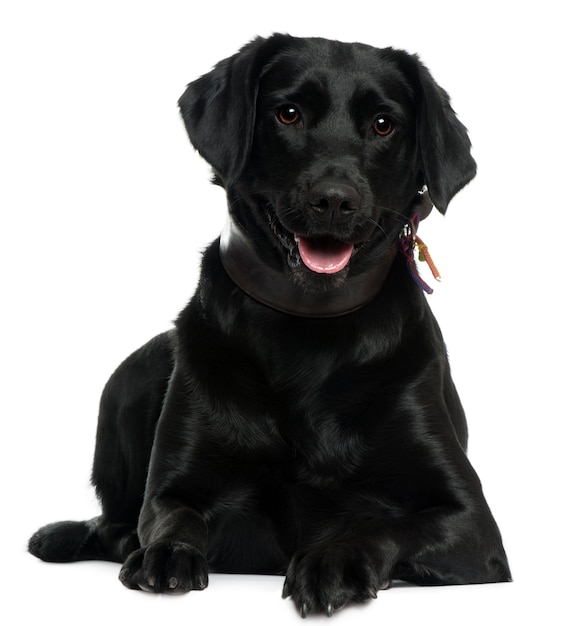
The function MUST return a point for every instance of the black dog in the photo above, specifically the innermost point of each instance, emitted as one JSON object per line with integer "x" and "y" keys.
{"x": 300, "y": 419}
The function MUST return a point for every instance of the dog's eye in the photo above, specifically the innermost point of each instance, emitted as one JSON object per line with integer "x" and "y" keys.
{"x": 288, "y": 115}
{"x": 383, "y": 126}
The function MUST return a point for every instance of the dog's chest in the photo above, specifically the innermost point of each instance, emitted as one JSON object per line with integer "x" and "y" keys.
{"x": 298, "y": 399}
{"x": 315, "y": 427}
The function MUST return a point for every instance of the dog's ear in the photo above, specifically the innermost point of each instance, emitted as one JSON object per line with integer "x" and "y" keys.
{"x": 444, "y": 146}
{"x": 218, "y": 108}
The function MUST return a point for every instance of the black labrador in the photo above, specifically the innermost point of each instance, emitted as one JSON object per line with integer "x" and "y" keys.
{"x": 300, "y": 419}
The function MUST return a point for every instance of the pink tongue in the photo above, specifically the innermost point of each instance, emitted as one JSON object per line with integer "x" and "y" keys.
{"x": 324, "y": 255}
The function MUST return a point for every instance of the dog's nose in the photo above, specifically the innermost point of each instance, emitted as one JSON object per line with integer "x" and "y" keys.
{"x": 336, "y": 200}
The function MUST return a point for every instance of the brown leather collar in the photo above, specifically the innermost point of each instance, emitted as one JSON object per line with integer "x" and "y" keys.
{"x": 274, "y": 288}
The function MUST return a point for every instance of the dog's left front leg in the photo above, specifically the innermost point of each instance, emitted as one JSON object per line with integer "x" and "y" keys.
{"x": 455, "y": 541}
{"x": 329, "y": 576}
{"x": 449, "y": 544}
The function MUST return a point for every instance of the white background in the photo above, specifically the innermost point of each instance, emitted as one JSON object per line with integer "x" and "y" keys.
{"x": 105, "y": 209}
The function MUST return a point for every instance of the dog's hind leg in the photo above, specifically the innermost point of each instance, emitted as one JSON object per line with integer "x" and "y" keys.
{"x": 63, "y": 542}
{"x": 129, "y": 409}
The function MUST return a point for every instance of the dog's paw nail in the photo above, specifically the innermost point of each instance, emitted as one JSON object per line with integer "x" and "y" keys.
{"x": 304, "y": 610}
{"x": 173, "y": 582}
{"x": 151, "y": 582}
{"x": 329, "y": 610}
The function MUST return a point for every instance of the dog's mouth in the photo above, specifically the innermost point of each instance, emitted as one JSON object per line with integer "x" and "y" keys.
{"x": 323, "y": 254}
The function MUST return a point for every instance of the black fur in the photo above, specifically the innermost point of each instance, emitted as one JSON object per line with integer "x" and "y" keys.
{"x": 332, "y": 450}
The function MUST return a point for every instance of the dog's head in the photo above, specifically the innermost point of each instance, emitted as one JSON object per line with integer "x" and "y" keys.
{"x": 324, "y": 147}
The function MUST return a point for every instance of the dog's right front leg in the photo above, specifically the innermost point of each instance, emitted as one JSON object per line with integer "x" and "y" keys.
{"x": 172, "y": 532}
{"x": 172, "y": 557}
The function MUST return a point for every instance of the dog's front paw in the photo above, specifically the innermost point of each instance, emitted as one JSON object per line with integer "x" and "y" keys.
{"x": 326, "y": 578}
{"x": 165, "y": 567}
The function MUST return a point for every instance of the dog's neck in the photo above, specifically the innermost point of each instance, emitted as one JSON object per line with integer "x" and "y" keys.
{"x": 274, "y": 288}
